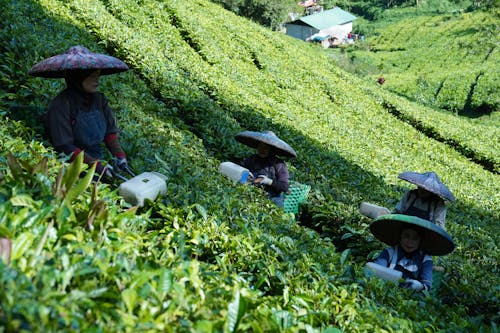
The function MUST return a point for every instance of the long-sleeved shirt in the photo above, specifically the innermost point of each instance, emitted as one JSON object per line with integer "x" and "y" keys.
{"x": 272, "y": 167}
{"x": 417, "y": 265}
{"x": 72, "y": 128}
{"x": 432, "y": 209}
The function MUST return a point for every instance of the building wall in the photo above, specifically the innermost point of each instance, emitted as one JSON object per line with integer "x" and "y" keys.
{"x": 300, "y": 31}
{"x": 338, "y": 31}
{"x": 304, "y": 32}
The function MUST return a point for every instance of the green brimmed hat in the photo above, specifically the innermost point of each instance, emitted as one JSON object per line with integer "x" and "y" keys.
{"x": 435, "y": 240}
{"x": 252, "y": 139}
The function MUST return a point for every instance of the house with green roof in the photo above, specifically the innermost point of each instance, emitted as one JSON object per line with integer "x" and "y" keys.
{"x": 333, "y": 23}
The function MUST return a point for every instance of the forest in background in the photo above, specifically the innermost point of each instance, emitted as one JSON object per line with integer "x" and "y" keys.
{"x": 210, "y": 256}
{"x": 274, "y": 13}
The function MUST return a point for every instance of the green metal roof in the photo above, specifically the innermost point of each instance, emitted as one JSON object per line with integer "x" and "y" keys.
{"x": 327, "y": 18}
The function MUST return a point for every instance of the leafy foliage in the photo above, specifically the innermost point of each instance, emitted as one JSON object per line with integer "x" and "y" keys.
{"x": 209, "y": 256}
{"x": 445, "y": 61}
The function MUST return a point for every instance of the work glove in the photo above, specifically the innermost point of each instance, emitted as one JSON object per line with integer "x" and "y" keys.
{"x": 413, "y": 284}
{"x": 122, "y": 163}
{"x": 104, "y": 171}
{"x": 265, "y": 180}
{"x": 108, "y": 172}
{"x": 250, "y": 177}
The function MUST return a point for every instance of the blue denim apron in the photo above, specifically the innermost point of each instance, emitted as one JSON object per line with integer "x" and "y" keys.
{"x": 89, "y": 131}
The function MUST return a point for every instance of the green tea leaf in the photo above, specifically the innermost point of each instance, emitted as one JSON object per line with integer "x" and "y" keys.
{"x": 202, "y": 211}
{"x": 21, "y": 244}
{"x": 22, "y": 200}
{"x": 165, "y": 283}
{"x": 4, "y": 232}
{"x": 14, "y": 166}
{"x": 343, "y": 257}
{"x": 73, "y": 172}
{"x": 129, "y": 297}
{"x": 80, "y": 186}
{"x": 236, "y": 310}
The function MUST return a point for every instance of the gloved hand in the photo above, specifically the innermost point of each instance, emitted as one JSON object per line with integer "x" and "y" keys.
{"x": 122, "y": 163}
{"x": 108, "y": 172}
{"x": 264, "y": 180}
{"x": 105, "y": 171}
{"x": 250, "y": 177}
{"x": 413, "y": 284}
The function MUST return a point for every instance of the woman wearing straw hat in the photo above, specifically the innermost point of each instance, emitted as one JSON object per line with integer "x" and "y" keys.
{"x": 79, "y": 118}
{"x": 412, "y": 242}
{"x": 427, "y": 201}
{"x": 266, "y": 168}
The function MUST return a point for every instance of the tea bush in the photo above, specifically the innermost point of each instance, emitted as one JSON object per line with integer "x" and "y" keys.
{"x": 211, "y": 256}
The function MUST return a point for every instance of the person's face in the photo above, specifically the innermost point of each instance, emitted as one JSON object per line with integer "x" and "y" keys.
{"x": 91, "y": 82}
{"x": 423, "y": 193}
{"x": 410, "y": 240}
{"x": 263, "y": 150}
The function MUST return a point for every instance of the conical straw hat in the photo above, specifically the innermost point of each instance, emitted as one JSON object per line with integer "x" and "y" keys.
{"x": 429, "y": 181}
{"x": 77, "y": 58}
{"x": 252, "y": 139}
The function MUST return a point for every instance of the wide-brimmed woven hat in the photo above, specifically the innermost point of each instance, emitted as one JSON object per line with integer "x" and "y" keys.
{"x": 435, "y": 240}
{"x": 429, "y": 181}
{"x": 77, "y": 58}
{"x": 252, "y": 139}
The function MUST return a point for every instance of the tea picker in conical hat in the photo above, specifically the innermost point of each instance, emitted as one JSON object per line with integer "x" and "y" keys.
{"x": 427, "y": 201}
{"x": 412, "y": 241}
{"x": 79, "y": 118}
{"x": 267, "y": 169}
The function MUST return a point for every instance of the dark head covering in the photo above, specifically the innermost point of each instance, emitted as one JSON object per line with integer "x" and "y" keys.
{"x": 77, "y": 59}
{"x": 74, "y": 79}
{"x": 435, "y": 240}
{"x": 252, "y": 139}
{"x": 429, "y": 181}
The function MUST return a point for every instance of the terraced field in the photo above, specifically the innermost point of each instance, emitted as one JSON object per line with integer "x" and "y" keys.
{"x": 210, "y": 256}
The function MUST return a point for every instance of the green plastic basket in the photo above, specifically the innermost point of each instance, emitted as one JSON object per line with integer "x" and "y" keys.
{"x": 296, "y": 194}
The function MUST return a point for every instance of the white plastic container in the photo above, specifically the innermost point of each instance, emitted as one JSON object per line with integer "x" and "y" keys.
{"x": 373, "y": 211}
{"x": 384, "y": 273}
{"x": 147, "y": 185}
{"x": 234, "y": 171}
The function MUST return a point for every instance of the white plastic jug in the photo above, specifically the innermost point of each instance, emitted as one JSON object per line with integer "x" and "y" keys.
{"x": 372, "y": 210}
{"x": 234, "y": 171}
{"x": 147, "y": 185}
{"x": 384, "y": 273}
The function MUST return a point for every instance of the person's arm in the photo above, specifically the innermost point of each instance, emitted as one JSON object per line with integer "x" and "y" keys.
{"x": 424, "y": 281}
{"x": 281, "y": 183}
{"x": 383, "y": 258}
{"x": 425, "y": 275}
{"x": 60, "y": 127}
{"x": 111, "y": 136}
{"x": 402, "y": 204}
{"x": 108, "y": 115}
{"x": 248, "y": 163}
{"x": 439, "y": 213}
{"x": 111, "y": 141}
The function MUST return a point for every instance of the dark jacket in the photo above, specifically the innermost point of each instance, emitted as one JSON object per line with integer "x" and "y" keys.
{"x": 68, "y": 124}
{"x": 272, "y": 167}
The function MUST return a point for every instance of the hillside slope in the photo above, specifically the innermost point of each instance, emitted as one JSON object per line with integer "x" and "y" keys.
{"x": 445, "y": 61}
{"x": 208, "y": 255}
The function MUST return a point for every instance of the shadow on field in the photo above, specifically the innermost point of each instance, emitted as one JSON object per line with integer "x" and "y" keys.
{"x": 338, "y": 185}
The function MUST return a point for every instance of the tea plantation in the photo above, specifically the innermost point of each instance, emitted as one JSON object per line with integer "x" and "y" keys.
{"x": 446, "y": 61}
{"x": 209, "y": 255}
